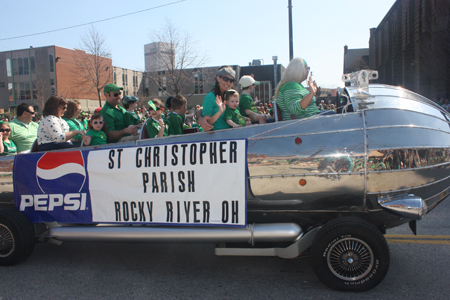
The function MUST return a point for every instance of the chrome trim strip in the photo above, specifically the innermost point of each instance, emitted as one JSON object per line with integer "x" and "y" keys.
{"x": 407, "y": 126}
{"x": 313, "y": 211}
{"x": 305, "y": 134}
{"x": 303, "y": 174}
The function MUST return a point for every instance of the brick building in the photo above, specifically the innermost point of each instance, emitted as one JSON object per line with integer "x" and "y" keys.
{"x": 411, "y": 47}
{"x": 32, "y": 75}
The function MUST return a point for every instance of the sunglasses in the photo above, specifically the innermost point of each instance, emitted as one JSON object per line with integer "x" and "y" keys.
{"x": 227, "y": 79}
{"x": 30, "y": 112}
{"x": 5, "y": 130}
{"x": 157, "y": 108}
{"x": 97, "y": 122}
{"x": 117, "y": 94}
{"x": 63, "y": 107}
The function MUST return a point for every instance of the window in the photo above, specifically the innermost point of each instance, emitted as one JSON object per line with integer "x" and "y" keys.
{"x": 114, "y": 76}
{"x": 32, "y": 65}
{"x": 26, "y": 70}
{"x": 52, "y": 86}
{"x": 51, "y": 63}
{"x": 2, "y": 84}
{"x": 20, "y": 64}
{"x": 15, "y": 69}
{"x": 27, "y": 90}
{"x": 264, "y": 91}
{"x": 8, "y": 67}
{"x": 198, "y": 83}
{"x": 22, "y": 91}
{"x": 33, "y": 83}
{"x": 10, "y": 91}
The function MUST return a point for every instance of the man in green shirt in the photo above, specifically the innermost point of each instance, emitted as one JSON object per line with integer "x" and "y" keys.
{"x": 23, "y": 129}
{"x": 113, "y": 115}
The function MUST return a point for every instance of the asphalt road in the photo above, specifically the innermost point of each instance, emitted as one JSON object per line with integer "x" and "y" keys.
{"x": 420, "y": 268}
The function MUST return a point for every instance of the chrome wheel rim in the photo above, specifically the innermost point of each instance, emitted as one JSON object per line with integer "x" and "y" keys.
{"x": 6, "y": 241}
{"x": 350, "y": 259}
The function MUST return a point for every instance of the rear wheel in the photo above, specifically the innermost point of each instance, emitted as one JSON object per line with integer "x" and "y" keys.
{"x": 16, "y": 237}
{"x": 350, "y": 254}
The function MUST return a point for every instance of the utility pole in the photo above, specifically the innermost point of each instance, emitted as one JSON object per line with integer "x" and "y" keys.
{"x": 291, "y": 39}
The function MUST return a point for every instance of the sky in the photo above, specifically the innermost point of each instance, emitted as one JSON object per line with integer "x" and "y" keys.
{"x": 229, "y": 32}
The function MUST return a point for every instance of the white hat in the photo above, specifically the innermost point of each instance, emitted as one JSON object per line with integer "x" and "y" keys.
{"x": 247, "y": 81}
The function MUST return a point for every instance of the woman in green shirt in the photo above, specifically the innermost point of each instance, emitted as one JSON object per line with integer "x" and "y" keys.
{"x": 7, "y": 147}
{"x": 71, "y": 117}
{"x": 296, "y": 101}
{"x": 213, "y": 107}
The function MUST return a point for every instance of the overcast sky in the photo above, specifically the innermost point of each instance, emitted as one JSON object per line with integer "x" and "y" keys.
{"x": 229, "y": 31}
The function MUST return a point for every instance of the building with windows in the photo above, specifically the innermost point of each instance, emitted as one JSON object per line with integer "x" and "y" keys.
{"x": 411, "y": 47}
{"x": 32, "y": 75}
{"x": 158, "y": 56}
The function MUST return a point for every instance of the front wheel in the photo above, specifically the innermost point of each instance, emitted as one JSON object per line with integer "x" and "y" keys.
{"x": 350, "y": 254}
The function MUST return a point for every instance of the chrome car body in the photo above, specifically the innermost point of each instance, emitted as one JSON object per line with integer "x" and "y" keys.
{"x": 381, "y": 161}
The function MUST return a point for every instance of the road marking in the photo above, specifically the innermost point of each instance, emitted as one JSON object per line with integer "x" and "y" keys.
{"x": 418, "y": 239}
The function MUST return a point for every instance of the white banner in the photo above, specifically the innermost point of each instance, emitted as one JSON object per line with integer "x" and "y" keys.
{"x": 181, "y": 184}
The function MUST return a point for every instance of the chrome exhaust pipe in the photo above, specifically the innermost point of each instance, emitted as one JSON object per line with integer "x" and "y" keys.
{"x": 277, "y": 232}
{"x": 408, "y": 206}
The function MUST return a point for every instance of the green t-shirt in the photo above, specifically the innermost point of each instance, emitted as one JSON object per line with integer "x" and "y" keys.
{"x": 113, "y": 116}
{"x": 74, "y": 124}
{"x": 9, "y": 148}
{"x": 131, "y": 118}
{"x": 176, "y": 123}
{"x": 23, "y": 136}
{"x": 289, "y": 98}
{"x": 235, "y": 116}
{"x": 98, "y": 137}
{"x": 246, "y": 102}
{"x": 210, "y": 108}
{"x": 85, "y": 124}
{"x": 153, "y": 128}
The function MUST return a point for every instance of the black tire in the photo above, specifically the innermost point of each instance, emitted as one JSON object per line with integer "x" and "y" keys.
{"x": 350, "y": 254}
{"x": 16, "y": 237}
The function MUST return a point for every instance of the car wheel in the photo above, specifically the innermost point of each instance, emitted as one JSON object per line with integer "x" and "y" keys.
{"x": 350, "y": 254}
{"x": 16, "y": 237}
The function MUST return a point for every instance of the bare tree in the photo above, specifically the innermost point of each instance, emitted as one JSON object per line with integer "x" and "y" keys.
{"x": 93, "y": 65}
{"x": 176, "y": 59}
{"x": 42, "y": 86}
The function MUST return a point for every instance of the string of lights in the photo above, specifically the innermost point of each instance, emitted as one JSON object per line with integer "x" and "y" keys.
{"x": 98, "y": 21}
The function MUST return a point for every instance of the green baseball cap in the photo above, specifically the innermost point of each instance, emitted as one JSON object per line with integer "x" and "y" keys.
{"x": 111, "y": 87}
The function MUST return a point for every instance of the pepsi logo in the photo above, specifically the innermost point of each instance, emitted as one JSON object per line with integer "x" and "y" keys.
{"x": 61, "y": 172}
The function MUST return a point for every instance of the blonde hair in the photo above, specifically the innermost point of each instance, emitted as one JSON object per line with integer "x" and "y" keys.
{"x": 295, "y": 71}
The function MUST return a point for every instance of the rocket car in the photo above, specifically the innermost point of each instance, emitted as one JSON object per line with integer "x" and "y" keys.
{"x": 328, "y": 185}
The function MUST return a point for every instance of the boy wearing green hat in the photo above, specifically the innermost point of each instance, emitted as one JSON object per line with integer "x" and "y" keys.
{"x": 130, "y": 104}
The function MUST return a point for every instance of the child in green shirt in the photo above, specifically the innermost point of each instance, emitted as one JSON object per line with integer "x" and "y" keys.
{"x": 96, "y": 134}
{"x": 176, "y": 115}
{"x": 232, "y": 115}
{"x": 155, "y": 126}
{"x": 130, "y": 104}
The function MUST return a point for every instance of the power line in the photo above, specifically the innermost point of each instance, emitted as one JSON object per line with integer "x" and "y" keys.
{"x": 112, "y": 18}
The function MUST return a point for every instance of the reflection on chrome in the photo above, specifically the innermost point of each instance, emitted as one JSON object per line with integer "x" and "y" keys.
{"x": 339, "y": 163}
{"x": 404, "y": 159}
